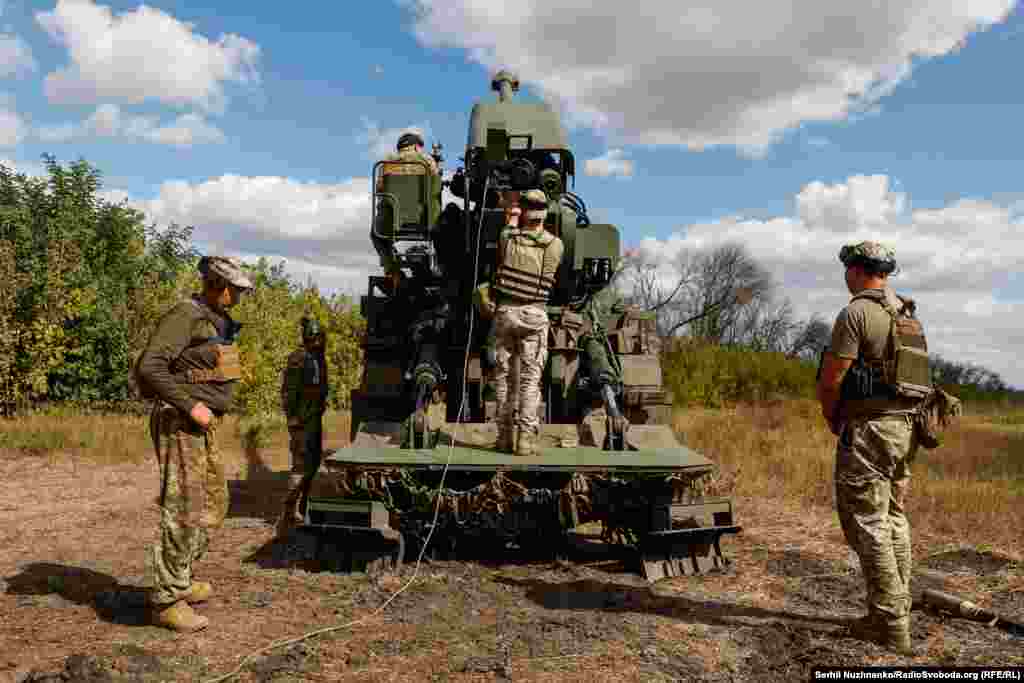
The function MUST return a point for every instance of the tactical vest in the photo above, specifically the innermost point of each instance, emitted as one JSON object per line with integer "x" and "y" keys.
{"x": 314, "y": 380}
{"x": 520, "y": 276}
{"x": 207, "y": 360}
{"x": 904, "y": 373}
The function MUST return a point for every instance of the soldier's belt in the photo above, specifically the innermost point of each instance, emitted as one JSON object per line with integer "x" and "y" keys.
{"x": 503, "y": 299}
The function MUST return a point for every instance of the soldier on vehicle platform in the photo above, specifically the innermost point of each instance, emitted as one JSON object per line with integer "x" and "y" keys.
{"x": 527, "y": 259}
{"x": 190, "y": 367}
{"x": 870, "y": 397}
{"x": 304, "y": 390}
{"x": 409, "y": 149}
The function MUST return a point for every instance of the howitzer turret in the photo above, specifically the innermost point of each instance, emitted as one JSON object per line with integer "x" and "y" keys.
{"x": 424, "y": 407}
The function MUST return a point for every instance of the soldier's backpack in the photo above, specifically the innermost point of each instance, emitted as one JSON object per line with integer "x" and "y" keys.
{"x": 906, "y": 372}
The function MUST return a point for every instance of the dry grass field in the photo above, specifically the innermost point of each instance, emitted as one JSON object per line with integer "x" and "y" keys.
{"x": 77, "y": 513}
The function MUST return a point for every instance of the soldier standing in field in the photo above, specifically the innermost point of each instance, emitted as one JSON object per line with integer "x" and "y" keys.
{"x": 527, "y": 259}
{"x": 304, "y": 401}
{"x": 873, "y": 377}
{"x": 190, "y": 367}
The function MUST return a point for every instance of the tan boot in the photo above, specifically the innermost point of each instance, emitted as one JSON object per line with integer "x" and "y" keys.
{"x": 180, "y": 617}
{"x": 896, "y": 636}
{"x": 527, "y": 444}
{"x": 198, "y": 591}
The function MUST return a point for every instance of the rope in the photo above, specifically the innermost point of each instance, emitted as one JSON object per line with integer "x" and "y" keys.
{"x": 437, "y": 507}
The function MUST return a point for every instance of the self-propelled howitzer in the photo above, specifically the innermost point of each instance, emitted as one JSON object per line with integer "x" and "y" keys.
{"x": 425, "y": 410}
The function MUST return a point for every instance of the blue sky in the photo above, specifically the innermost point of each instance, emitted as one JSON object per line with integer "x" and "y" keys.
{"x": 816, "y": 122}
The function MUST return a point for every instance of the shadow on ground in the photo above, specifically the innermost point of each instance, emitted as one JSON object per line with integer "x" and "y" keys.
{"x": 51, "y": 584}
{"x": 591, "y": 594}
{"x": 261, "y": 494}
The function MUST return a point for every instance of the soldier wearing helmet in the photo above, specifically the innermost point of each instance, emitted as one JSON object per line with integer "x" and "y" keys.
{"x": 871, "y": 408}
{"x": 304, "y": 390}
{"x": 527, "y": 259}
{"x": 190, "y": 368}
{"x": 409, "y": 148}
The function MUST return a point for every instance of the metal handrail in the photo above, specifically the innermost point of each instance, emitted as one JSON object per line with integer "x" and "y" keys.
{"x": 395, "y": 204}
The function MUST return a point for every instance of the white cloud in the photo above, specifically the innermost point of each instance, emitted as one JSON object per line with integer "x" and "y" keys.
{"x": 608, "y": 164}
{"x": 15, "y": 56}
{"x": 731, "y": 72}
{"x": 862, "y": 200}
{"x": 381, "y": 142}
{"x": 143, "y": 54}
{"x": 108, "y": 121}
{"x": 321, "y": 229}
{"x": 12, "y": 127}
{"x": 957, "y": 261}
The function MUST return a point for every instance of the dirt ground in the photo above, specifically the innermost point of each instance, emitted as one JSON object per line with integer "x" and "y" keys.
{"x": 73, "y": 541}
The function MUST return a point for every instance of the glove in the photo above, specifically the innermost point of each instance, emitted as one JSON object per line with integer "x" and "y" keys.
{"x": 483, "y": 301}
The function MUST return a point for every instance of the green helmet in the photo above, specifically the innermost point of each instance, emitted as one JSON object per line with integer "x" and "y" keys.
{"x": 873, "y": 254}
{"x": 311, "y": 328}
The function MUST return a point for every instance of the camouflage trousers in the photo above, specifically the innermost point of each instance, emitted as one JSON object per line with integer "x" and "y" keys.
{"x": 193, "y": 499}
{"x": 872, "y": 477}
{"x": 521, "y": 333}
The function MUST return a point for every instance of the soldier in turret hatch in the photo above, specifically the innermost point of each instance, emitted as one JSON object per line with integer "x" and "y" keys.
{"x": 191, "y": 368}
{"x": 527, "y": 259}
{"x": 410, "y": 148}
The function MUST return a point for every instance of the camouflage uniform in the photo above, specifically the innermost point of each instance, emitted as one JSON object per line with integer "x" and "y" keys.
{"x": 182, "y": 363}
{"x": 528, "y": 260}
{"x": 304, "y": 390}
{"x": 193, "y": 499}
{"x": 876, "y": 447}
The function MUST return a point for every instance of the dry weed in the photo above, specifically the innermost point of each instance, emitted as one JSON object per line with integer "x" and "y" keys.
{"x": 968, "y": 488}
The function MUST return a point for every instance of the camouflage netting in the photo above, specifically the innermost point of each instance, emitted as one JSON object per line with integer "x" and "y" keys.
{"x": 505, "y": 505}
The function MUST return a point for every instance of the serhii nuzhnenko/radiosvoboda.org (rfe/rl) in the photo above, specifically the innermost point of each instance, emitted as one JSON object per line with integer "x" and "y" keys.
{"x": 1014, "y": 674}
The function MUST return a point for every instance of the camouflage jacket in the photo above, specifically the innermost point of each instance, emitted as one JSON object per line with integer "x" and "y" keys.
{"x": 188, "y": 324}
{"x": 304, "y": 386}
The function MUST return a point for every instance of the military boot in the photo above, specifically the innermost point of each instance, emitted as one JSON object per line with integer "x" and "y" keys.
{"x": 892, "y": 634}
{"x": 179, "y": 617}
{"x": 527, "y": 443}
{"x": 896, "y": 636}
{"x": 198, "y": 591}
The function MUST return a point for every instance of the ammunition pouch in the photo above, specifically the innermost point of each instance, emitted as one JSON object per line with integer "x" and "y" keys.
{"x": 635, "y": 331}
{"x": 935, "y": 414}
{"x": 565, "y": 331}
{"x": 209, "y": 363}
{"x": 861, "y": 382}
{"x": 905, "y": 370}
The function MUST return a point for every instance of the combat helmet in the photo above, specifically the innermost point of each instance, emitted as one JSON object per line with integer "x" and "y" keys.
{"x": 227, "y": 268}
{"x": 408, "y": 139}
{"x": 874, "y": 255}
{"x": 535, "y": 205}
